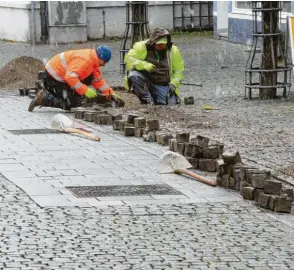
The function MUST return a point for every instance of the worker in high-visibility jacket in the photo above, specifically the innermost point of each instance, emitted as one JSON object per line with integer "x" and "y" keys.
{"x": 70, "y": 76}
{"x": 155, "y": 69}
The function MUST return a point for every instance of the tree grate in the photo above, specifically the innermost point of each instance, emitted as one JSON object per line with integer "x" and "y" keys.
{"x": 122, "y": 190}
{"x": 34, "y": 131}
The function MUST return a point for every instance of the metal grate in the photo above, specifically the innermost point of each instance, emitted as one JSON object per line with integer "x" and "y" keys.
{"x": 34, "y": 131}
{"x": 122, "y": 190}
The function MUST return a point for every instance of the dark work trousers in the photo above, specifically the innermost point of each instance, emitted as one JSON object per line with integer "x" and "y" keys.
{"x": 61, "y": 95}
{"x": 148, "y": 92}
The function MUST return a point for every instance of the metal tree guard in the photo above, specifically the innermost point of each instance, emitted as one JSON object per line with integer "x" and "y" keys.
{"x": 137, "y": 28}
{"x": 275, "y": 74}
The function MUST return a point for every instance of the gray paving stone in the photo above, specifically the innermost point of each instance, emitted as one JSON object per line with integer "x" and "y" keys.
{"x": 16, "y": 175}
{"x": 13, "y": 168}
{"x": 197, "y": 200}
{"x": 7, "y": 160}
{"x": 171, "y": 197}
{"x": 125, "y": 198}
{"x": 41, "y": 190}
{"x": 99, "y": 203}
{"x": 224, "y": 199}
{"x": 155, "y": 202}
{"x": 56, "y": 200}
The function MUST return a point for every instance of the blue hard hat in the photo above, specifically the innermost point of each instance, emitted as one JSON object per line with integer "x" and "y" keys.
{"x": 104, "y": 53}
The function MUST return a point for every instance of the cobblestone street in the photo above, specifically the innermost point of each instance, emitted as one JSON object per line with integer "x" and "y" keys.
{"x": 212, "y": 235}
{"x": 44, "y": 226}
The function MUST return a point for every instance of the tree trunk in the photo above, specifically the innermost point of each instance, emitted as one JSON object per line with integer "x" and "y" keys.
{"x": 138, "y": 16}
{"x": 270, "y": 49}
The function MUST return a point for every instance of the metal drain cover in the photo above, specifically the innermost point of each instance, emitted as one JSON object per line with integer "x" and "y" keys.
{"x": 122, "y": 190}
{"x": 34, "y": 131}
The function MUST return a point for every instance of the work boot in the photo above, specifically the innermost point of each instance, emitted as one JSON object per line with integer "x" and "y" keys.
{"x": 38, "y": 100}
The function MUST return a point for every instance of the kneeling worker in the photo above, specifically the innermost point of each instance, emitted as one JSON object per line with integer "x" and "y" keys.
{"x": 73, "y": 75}
{"x": 155, "y": 69}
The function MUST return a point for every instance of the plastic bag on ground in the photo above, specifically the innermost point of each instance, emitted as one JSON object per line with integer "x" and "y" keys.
{"x": 60, "y": 121}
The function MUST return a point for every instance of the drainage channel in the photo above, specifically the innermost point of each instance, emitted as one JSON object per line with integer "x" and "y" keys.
{"x": 122, "y": 190}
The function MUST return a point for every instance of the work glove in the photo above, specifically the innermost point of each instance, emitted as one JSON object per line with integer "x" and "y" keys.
{"x": 107, "y": 93}
{"x": 91, "y": 93}
{"x": 172, "y": 90}
{"x": 117, "y": 100}
{"x": 143, "y": 65}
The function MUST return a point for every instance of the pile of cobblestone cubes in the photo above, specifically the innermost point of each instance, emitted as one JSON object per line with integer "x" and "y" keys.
{"x": 203, "y": 154}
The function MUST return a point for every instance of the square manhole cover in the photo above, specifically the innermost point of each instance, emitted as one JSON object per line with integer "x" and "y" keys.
{"x": 122, "y": 190}
{"x": 34, "y": 131}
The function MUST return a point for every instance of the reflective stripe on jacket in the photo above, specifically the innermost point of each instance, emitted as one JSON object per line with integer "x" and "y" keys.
{"x": 74, "y": 66}
{"x": 176, "y": 63}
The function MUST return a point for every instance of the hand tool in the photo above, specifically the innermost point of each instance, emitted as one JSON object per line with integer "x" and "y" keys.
{"x": 171, "y": 162}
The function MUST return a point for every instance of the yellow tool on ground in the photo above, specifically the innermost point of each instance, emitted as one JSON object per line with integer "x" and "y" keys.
{"x": 207, "y": 107}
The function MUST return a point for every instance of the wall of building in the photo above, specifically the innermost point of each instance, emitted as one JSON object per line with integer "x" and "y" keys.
{"x": 112, "y": 23}
{"x": 108, "y": 19}
{"x": 75, "y": 21}
{"x": 15, "y": 21}
{"x": 71, "y": 21}
{"x": 240, "y": 22}
{"x": 67, "y": 21}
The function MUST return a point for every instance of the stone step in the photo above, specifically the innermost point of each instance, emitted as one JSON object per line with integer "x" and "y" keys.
{"x": 224, "y": 36}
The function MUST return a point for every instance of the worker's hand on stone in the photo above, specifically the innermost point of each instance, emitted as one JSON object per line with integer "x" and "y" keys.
{"x": 117, "y": 100}
{"x": 91, "y": 93}
{"x": 143, "y": 65}
{"x": 172, "y": 89}
{"x": 107, "y": 93}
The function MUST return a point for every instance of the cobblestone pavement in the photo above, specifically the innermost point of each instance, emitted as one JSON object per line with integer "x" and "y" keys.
{"x": 219, "y": 235}
{"x": 46, "y": 227}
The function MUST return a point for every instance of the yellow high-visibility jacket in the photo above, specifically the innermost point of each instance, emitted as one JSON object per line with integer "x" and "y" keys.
{"x": 176, "y": 64}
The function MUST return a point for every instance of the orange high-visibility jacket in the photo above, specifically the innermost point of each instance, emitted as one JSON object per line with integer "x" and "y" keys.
{"x": 74, "y": 66}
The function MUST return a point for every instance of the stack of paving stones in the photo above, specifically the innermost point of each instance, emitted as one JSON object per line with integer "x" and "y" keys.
{"x": 203, "y": 154}
{"x": 127, "y": 127}
{"x": 253, "y": 183}
{"x": 152, "y": 127}
{"x": 140, "y": 126}
{"x": 200, "y": 151}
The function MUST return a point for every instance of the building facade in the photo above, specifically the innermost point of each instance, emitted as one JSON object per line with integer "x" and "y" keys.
{"x": 77, "y": 21}
{"x": 233, "y": 20}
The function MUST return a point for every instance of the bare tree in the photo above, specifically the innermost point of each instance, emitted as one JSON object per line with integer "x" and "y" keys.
{"x": 138, "y": 18}
{"x": 270, "y": 19}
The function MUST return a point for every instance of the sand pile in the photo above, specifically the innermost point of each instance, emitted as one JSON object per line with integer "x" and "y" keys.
{"x": 21, "y": 72}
